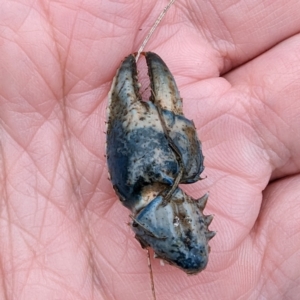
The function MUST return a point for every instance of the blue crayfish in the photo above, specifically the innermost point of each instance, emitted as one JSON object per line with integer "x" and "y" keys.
{"x": 151, "y": 148}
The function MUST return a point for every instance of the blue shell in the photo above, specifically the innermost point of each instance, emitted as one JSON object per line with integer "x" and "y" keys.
{"x": 151, "y": 148}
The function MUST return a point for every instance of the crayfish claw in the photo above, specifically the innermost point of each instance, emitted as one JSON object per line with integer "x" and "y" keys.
{"x": 151, "y": 149}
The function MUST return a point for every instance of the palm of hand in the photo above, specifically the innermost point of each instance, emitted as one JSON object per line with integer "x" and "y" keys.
{"x": 64, "y": 232}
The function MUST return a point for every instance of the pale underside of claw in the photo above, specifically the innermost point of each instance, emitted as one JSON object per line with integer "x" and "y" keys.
{"x": 151, "y": 148}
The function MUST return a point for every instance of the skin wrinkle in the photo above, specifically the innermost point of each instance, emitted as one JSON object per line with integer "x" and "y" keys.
{"x": 216, "y": 40}
{"x": 3, "y": 284}
{"x": 236, "y": 167}
{"x": 242, "y": 119}
{"x": 106, "y": 207}
{"x": 163, "y": 43}
{"x": 83, "y": 177}
{"x": 210, "y": 124}
{"x": 34, "y": 260}
{"x": 9, "y": 230}
{"x": 121, "y": 228}
{"x": 2, "y": 208}
{"x": 73, "y": 291}
{"x": 144, "y": 20}
{"x": 19, "y": 226}
{"x": 95, "y": 282}
{"x": 249, "y": 110}
{"x": 96, "y": 286}
{"x": 70, "y": 164}
{"x": 67, "y": 216}
{"x": 36, "y": 163}
{"x": 270, "y": 219}
{"x": 41, "y": 231}
{"x": 232, "y": 244}
{"x": 264, "y": 142}
{"x": 235, "y": 243}
{"x": 213, "y": 42}
{"x": 36, "y": 68}
{"x": 15, "y": 137}
{"x": 108, "y": 263}
{"x": 78, "y": 135}
{"x": 233, "y": 171}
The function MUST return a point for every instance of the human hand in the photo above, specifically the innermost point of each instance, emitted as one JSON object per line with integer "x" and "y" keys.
{"x": 63, "y": 231}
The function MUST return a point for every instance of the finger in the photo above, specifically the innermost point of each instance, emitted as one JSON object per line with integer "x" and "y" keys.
{"x": 244, "y": 29}
{"x": 277, "y": 237}
{"x": 272, "y": 83}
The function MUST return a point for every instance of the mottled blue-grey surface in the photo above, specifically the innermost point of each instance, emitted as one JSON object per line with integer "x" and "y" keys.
{"x": 149, "y": 145}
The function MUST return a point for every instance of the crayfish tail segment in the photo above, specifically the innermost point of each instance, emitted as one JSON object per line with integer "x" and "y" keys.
{"x": 177, "y": 231}
{"x": 164, "y": 91}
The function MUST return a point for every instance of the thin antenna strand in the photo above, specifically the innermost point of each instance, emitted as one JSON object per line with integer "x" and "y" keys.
{"x": 151, "y": 275}
{"x": 158, "y": 20}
